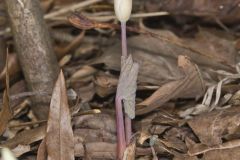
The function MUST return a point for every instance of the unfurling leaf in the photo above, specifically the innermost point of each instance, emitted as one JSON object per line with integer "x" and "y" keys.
{"x": 128, "y": 84}
{"x": 59, "y": 137}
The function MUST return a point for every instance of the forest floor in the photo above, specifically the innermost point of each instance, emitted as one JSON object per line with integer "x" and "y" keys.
{"x": 187, "y": 93}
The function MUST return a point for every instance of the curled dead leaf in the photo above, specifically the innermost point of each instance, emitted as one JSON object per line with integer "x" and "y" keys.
{"x": 82, "y": 22}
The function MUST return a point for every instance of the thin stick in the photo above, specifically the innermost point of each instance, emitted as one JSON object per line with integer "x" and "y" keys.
{"x": 70, "y": 8}
{"x": 136, "y": 15}
{"x": 104, "y": 17}
{"x": 151, "y": 14}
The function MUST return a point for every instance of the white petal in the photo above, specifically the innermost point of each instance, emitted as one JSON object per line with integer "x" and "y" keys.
{"x": 123, "y": 9}
{"x": 7, "y": 154}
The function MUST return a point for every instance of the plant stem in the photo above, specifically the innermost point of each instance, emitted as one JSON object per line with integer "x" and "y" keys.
{"x": 124, "y": 39}
{"x": 121, "y": 142}
{"x": 128, "y": 125}
{"x": 121, "y": 133}
{"x": 128, "y": 130}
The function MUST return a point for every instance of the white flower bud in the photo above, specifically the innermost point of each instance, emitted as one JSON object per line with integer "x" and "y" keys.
{"x": 7, "y": 154}
{"x": 123, "y": 9}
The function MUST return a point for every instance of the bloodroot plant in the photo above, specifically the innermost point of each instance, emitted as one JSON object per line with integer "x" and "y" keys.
{"x": 127, "y": 85}
{"x": 126, "y": 90}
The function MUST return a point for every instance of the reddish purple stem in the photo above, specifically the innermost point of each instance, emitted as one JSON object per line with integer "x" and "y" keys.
{"x": 124, "y": 39}
{"x": 128, "y": 125}
{"x": 123, "y": 136}
{"x": 121, "y": 142}
{"x": 128, "y": 129}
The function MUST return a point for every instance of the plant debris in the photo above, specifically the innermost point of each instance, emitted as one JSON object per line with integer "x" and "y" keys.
{"x": 178, "y": 83}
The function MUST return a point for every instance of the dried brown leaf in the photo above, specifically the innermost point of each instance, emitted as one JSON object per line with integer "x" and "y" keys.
{"x": 165, "y": 118}
{"x": 21, "y": 149}
{"x": 175, "y": 143}
{"x": 59, "y": 135}
{"x": 173, "y": 140}
{"x": 158, "y": 53}
{"x": 212, "y": 127}
{"x": 46, "y": 5}
{"x": 103, "y": 150}
{"x": 225, "y": 10}
{"x": 223, "y": 154}
{"x": 207, "y": 42}
{"x": 149, "y": 124}
{"x": 83, "y": 135}
{"x": 158, "y": 129}
{"x": 13, "y": 66}
{"x": 26, "y": 137}
{"x": 42, "y": 151}
{"x": 167, "y": 68}
{"x": 160, "y": 148}
{"x": 64, "y": 2}
{"x": 85, "y": 92}
{"x": 144, "y": 135}
{"x": 197, "y": 148}
{"x": 127, "y": 85}
{"x": 83, "y": 72}
{"x": 97, "y": 150}
{"x": 190, "y": 86}
{"x": 105, "y": 85}
{"x": 100, "y": 121}
{"x": 185, "y": 157}
{"x": 6, "y": 112}
{"x": 82, "y": 22}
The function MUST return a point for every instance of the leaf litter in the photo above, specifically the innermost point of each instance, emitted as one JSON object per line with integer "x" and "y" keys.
{"x": 184, "y": 102}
